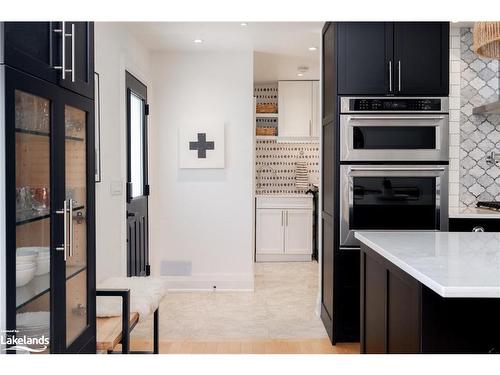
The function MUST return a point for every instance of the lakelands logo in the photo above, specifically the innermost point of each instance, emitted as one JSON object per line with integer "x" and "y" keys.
{"x": 11, "y": 341}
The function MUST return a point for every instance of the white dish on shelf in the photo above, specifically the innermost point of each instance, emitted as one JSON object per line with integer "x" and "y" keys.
{"x": 25, "y": 272}
{"x": 26, "y": 256}
{"x": 42, "y": 266}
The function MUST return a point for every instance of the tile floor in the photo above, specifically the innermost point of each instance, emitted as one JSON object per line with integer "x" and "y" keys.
{"x": 282, "y": 306}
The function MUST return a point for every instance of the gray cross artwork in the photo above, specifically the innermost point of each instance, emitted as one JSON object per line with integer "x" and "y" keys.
{"x": 202, "y": 145}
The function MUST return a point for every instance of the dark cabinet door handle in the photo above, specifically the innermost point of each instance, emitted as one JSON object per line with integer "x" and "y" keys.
{"x": 130, "y": 214}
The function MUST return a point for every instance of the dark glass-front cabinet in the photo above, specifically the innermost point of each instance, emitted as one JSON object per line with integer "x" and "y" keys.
{"x": 393, "y": 58}
{"x": 57, "y": 52}
{"x": 49, "y": 134}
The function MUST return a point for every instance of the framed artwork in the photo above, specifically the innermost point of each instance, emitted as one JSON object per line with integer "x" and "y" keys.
{"x": 97, "y": 122}
{"x": 201, "y": 147}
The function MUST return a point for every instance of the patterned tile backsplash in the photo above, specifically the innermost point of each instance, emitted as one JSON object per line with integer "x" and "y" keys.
{"x": 275, "y": 165}
{"x": 479, "y": 134}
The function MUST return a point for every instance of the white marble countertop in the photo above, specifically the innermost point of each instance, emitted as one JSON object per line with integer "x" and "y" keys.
{"x": 473, "y": 213}
{"x": 452, "y": 264}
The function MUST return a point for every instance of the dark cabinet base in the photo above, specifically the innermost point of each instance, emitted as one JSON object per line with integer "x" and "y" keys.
{"x": 401, "y": 315}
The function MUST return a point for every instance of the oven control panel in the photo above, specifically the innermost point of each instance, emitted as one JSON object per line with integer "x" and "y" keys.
{"x": 393, "y": 105}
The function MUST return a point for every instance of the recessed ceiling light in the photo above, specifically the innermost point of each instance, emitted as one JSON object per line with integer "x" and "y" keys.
{"x": 243, "y": 24}
{"x": 313, "y": 48}
{"x": 198, "y": 41}
{"x": 454, "y": 21}
{"x": 300, "y": 74}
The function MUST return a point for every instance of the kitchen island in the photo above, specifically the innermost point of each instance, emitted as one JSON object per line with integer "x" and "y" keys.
{"x": 430, "y": 292}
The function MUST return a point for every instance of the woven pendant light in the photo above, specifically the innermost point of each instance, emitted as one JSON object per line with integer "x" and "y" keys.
{"x": 487, "y": 39}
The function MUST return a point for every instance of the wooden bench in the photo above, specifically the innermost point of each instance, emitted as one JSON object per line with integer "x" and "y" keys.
{"x": 114, "y": 330}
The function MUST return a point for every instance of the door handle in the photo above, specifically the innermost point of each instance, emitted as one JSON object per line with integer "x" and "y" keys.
{"x": 390, "y": 75}
{"x": 282, "y": 212}
{"x": 396, "y": 169}
{"x": 130, "y": 214}
{"x": 287, "y": 218}
{"x": 421, "y": 118}
{"x": 62, "y": 67}
{"x": 399, "y": 75}
{"x": 64, "y": 212}
{"x": 71, "y": 230}
{"x": 73, "y": 52}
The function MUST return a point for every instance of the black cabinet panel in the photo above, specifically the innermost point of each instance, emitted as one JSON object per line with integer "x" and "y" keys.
{"x": 365, "y": 58}
{"x": 346, "y": 295}
{"x": 329, "y": 74}
{"x": 29, "y": 46}
{"x": 81, "y": 59}
{"x": 470, "y": 225}
{"x": 327, "y": 265}
{"x": 329, "y": 168}
{"x": 403, "y": 318}
{"x": 421, "y": 56}
{"x": 373, "y": 300}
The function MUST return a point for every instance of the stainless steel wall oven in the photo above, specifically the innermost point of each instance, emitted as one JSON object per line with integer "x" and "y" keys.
{"x": 394, "y": 165}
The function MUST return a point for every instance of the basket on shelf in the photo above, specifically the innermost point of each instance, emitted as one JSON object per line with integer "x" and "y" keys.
{"x": 267, "y": 108}
{"x": 267, "y": 131}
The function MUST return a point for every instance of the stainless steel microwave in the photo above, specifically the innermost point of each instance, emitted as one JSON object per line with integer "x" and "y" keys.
{"x": 394, "y": 129}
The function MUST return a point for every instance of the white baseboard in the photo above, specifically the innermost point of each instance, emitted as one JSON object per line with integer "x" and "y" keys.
{"x": 222, "y": 282}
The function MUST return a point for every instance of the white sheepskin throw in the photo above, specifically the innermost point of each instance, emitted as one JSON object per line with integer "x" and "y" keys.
{"x": 146, "y": 294}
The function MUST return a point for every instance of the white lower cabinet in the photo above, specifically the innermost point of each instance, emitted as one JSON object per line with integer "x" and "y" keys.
{"x": 284, "y": 231}
{"x": 270, "y": 239}
{"x": 298, "y": 232}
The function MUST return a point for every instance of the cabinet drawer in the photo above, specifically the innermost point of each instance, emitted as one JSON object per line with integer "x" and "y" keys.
{"x": 302, "y": 202}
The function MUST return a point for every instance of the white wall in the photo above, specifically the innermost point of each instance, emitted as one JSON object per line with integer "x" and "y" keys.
{"x": 274, "y": 67}
{"x": 203, "y": 217}
{"x": 115, "y": 52}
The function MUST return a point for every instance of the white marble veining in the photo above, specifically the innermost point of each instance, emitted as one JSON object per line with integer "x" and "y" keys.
{"x": 282, "y": 306}
{"x": 453, "y": 264}
{"x": 473, "y": 213}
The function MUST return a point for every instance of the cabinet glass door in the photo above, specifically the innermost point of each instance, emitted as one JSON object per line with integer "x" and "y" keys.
{"x": 76, "y": 203}
{"x": 32, "y": 240}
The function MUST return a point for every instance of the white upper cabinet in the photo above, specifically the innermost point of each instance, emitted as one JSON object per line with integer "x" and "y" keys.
{"x": 298, "y": 108}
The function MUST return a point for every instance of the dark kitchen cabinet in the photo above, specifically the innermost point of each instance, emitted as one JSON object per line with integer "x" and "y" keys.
{"x": 31, "y": 47}
{"x": 474, "y": 225}
{"x": 401, "y": 315}
{"x": 365, "y": 58}
{"x": 421, "y": 58}
{"x": 79, "y": 58}
{"x": 393, "y": 58}
{"x": 37, "y": 48}
{"x": 50, "y": 213}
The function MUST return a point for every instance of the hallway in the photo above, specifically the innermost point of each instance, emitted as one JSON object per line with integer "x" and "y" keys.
{"x": 278, "y": 317}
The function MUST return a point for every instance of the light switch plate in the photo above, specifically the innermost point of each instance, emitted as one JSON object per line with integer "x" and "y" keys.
{"x": 116, "y": 188}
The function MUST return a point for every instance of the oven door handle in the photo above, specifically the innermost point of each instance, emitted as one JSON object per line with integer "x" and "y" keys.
{"x": 421, "y": 118}
{"x": 397, "y": 169}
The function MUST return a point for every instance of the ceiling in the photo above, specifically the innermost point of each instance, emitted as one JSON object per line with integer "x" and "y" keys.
{"x": 285, "y": 38}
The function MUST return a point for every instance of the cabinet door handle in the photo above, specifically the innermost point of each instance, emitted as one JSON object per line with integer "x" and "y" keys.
{"x": 399, "y": 75}
{"x": 62, "y": 67}
{"x": 310, "y": 130}
{"x": 282, "y": 218}
{"x": 71, "y": 231}
{"x": 390, "y": 75}
{"x": 64, "y": 246}
{"x": 72, "y": 52}
{"x": 287, "y": 218}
